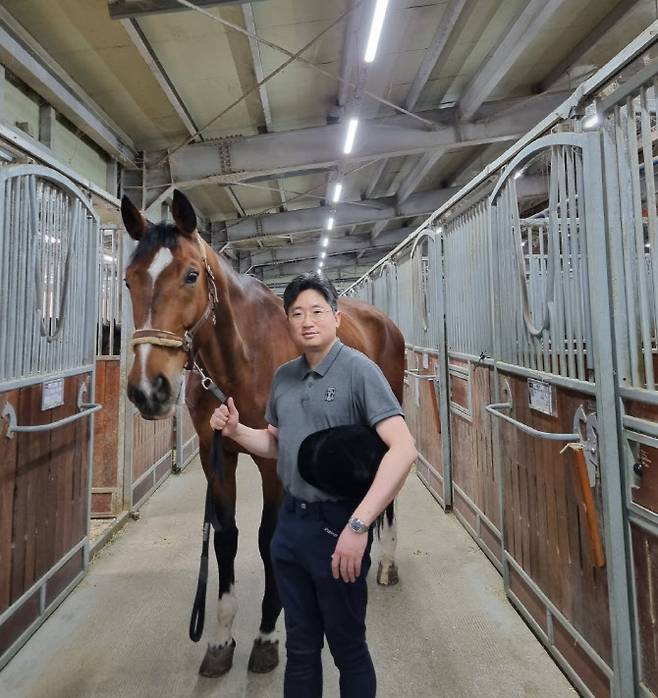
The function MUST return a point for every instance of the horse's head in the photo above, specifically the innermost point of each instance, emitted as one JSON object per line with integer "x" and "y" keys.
{"x": 173, "y": 294}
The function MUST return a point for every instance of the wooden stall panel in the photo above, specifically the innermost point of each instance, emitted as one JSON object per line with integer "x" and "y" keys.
{"x": 546, "y": 527}
{"x": 43, "y": 489}
{"x": 106, "y": 465}
{"x": 645, "y": 560}
{"x": 471, "y": 443}
{"x": 8, "y": 465}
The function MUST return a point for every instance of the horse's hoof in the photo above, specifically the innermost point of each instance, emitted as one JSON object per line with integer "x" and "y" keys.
{"x": 218, "y": 660}
{"x": 387, "y": 575}
{"x": 264, "y": 656}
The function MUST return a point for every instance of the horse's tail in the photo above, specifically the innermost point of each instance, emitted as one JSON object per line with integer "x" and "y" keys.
{"x": 389, "y": 513}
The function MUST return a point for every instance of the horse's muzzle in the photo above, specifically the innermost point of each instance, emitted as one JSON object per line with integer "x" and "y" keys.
{"x": 153, "y": 401}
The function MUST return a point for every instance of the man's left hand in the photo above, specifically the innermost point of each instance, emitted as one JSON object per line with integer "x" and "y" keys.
{"x": 348, "y": 555}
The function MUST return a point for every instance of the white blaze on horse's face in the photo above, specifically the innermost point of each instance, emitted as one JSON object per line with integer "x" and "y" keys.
{"x": 156, "y": 376}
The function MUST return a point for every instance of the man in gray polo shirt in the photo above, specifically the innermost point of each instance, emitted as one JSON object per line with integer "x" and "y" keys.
{"x": 321, "y": 546}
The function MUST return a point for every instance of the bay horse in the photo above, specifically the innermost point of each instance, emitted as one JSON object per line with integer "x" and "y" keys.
{"x": 237, "y": 329}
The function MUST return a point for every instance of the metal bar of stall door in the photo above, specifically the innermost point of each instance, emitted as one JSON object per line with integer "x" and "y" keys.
{"x": 441, "y": 384}
{"x": 617, "y": 543}
{"x": 639, "y": 244}
{"x": 494, "y": 247}
{"x": 126, "y": 426}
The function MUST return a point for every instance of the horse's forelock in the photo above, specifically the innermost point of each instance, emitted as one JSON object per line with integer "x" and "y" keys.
{"x": 156, "y": 236}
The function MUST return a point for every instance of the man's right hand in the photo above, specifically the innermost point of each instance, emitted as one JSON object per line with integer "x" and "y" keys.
{"x": 226, "y": 418}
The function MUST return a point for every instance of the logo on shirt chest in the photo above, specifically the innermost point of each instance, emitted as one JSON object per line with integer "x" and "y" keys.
{"x": 330, "y": 394}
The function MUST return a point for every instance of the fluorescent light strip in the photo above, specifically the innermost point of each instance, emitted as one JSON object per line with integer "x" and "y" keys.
{"x": 375, "y": 30}
{"x": 338, "y": 188}
{"x": 351, "y": 133}
{"x": 325, "y": 242}
{"x": 330, "y": 222}
{"x": 323, "y": 255}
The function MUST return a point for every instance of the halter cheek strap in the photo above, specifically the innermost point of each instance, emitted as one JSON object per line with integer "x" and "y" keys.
{"x": 164, "y": 338}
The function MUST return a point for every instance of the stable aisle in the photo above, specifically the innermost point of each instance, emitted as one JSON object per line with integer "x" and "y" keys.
{"x": 446, "y": 630}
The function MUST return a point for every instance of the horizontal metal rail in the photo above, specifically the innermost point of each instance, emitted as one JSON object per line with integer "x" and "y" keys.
{"x": 9, "y": 414}
{"x": 495, "y": 408}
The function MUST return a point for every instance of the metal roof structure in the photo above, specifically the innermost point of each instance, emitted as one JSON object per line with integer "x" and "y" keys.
{"x": 245, "y": 105}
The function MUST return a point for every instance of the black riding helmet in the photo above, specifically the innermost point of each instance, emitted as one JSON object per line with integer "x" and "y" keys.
{"x": 341, "y": 461}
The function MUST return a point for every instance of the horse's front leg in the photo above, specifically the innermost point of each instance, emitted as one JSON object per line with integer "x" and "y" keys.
{"x": 219, "y": 655}
{"x": 265, "y": 652}
{"x": 387, "y": 572}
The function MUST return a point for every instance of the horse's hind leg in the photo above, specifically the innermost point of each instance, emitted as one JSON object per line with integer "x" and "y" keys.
{"x": 219, "y": 655}
{"x": 387, "y": 572}
{"x": 265, "y": 652}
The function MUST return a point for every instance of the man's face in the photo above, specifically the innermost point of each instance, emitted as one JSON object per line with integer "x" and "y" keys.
{"x": 311, "y": 321}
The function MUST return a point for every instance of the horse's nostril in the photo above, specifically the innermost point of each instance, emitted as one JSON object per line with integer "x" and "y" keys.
{"x": 136, "y": 396}
{"x": 161, "y": 388}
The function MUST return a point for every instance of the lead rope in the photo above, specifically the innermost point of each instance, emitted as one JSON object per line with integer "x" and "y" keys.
{"x": 209, "y": 515}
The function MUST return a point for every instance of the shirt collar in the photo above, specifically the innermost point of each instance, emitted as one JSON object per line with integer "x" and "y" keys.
{"x": 326, "y": 363}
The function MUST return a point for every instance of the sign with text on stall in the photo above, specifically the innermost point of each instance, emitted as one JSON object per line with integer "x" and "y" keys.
{"x": 541, "y": 397}
{"x": 52, "y": 394}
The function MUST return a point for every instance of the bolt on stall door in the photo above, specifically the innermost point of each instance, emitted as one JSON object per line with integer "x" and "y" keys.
{"x": 554, "y": 388}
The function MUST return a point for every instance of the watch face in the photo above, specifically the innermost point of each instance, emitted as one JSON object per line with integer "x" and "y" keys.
{"x": 358, "y": 526}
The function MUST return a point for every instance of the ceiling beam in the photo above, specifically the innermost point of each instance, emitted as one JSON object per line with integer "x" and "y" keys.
{"x": 523, "y": 32}
{"x": 291, "y": 253}
{"x": 588, "y": 42}
{"x": 124, "y": 9}
{"x": 243, "y": 158}
{"x": 435, "y": 50}
{"x": 414, "y": 178}
{"x": 342, "y": 262}
{"x": 146, "y": 51}
{"x": 235, "y": 202}
{"x": 250, "y": 26}
{"x": 349, "y": 58}
{"x": 21, "y": 54}
{"x": 347, "y": 214}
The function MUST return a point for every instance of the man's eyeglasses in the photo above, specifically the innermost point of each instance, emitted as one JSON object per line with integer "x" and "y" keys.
{"x": 316, "y": 315}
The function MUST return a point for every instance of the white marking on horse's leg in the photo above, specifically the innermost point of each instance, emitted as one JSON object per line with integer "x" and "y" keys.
{"x": 266, "y": 637}
{"x": 226, "y": 610}
{"x": 388, "y": 539}
{"x": 159, "y": 263}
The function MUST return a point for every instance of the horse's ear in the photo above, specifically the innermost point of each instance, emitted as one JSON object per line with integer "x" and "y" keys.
{"x": 132, "y": 218}
{"x": 183, "y": 213}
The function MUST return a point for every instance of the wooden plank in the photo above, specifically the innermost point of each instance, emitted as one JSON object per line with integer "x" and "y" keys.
{"x": 8, "y": 465}
{"x": 33, "y": 451}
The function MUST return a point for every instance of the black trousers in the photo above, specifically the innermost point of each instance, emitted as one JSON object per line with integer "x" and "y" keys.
{"x": 317, "y": 605}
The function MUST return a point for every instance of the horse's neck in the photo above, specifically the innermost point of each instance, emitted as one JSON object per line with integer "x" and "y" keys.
{"x": 224, "y": 350}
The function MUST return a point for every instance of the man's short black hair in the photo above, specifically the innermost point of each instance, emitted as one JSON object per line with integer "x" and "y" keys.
{"x": 314, "y": 281}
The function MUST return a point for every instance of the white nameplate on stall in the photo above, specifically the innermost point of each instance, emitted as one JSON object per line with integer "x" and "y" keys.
{"x": 540, "y": 396}
{"x": 426, "y": 360}
{"x": 52, "y": 394}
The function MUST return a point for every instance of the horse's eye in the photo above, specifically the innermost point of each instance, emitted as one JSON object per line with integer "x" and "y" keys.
{"x": 125, "y": 281}
{"x": 191, "y": 277}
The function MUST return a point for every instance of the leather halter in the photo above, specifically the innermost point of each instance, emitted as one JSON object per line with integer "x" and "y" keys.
{"x": 164, "y": 338}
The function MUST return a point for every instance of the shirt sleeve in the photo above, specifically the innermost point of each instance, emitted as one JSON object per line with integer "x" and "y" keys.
{"x": 271, "y": 416}
{"x": 374, "y": 398}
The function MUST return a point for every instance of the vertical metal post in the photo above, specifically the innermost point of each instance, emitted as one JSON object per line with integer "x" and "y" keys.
{"x": 609, "y": 428}
{"x": 493, "y": 243}
{"x": 442, "y": 380}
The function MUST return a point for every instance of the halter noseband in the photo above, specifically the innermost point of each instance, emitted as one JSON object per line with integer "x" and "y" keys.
{"x": 164, "y": 338}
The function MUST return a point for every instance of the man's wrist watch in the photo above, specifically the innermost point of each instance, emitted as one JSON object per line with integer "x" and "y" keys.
{"x": 357, "y": 526}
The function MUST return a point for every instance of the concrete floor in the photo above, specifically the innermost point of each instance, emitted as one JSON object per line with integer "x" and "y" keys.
{"x": 446, "y": 630}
